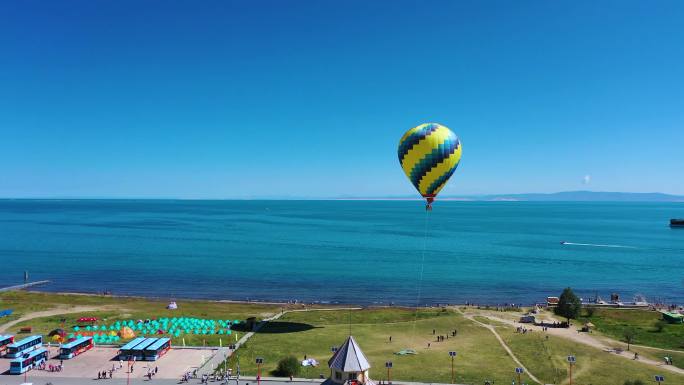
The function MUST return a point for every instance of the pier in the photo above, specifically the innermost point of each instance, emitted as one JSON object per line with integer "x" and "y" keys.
{"x": 24, "y": 285}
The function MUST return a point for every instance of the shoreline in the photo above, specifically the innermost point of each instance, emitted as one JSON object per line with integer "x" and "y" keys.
{"x": 312, "y": 305}
{"x": 300, "y": 303}
{"x": 320, "y": 305}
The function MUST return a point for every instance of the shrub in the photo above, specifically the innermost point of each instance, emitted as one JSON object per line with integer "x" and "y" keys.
{"x": 590, "y": 311}
{"x": 634, "y": 382}
{"x": 288, "y": 366}
{"x": 659, "y": 325}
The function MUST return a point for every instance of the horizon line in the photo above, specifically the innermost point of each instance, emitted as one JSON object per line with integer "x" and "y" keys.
{"x": 451, "y": 197}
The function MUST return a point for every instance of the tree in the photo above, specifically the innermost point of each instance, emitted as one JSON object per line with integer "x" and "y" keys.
{"x": 569, "y": 305}
{"x": 288, "y": 366}
{"x": 629, "y": 334}
{"x": 659, "y": 325}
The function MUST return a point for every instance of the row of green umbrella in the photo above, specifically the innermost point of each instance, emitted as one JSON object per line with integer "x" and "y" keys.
{"x": 100, "y": 338}
{"x": 174, "y": 326}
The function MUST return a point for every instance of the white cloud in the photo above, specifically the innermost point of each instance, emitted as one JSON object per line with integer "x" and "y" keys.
{"x": 586, "y": 179}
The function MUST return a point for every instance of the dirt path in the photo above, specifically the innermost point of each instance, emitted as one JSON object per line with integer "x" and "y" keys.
{"x": 603, "y": 343}
{"x": 503, "y": 344}
{"x": 49, "y": 313}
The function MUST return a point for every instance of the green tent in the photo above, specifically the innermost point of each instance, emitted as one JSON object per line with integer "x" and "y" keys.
{"x": 673, "y": 318}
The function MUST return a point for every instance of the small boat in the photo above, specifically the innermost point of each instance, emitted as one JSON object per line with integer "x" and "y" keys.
{"x": 676, "y": 222}
{"x": 563, "y": 242}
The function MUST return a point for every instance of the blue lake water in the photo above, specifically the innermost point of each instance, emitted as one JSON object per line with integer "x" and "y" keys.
{"x": 361, "y": 252}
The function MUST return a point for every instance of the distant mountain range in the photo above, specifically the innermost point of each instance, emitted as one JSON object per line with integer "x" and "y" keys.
{"x": 565, "y": 196}
{"x": 579, "y": 196}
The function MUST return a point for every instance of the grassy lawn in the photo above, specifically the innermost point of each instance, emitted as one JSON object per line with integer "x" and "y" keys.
{"x": 314, "y": 332}
{"x": 480, "y": 356}
{"x": 654, "y": 354}
{"x": 22, "y": 303}
{"x": 547, "y": 359}
{"x": 613, "y": 322}
{"x": 118, "y": 308}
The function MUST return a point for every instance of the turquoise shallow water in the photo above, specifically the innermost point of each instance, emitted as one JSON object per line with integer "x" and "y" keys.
{"x": 345, "y": 251}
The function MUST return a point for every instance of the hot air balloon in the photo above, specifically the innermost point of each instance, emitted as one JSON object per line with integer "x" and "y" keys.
{"x": 429, "y": 155}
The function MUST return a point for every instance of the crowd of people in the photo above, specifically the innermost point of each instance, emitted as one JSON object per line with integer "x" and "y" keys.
{"x": 108, "y": 374}
{"x": 152, "y": 372}
{"x": 105, "y": 374}
{"x": 442, "y": 338}
{"x": 187, "y": 376}
{"x": 51, "y": 368}
{"x": 55, "y": 368}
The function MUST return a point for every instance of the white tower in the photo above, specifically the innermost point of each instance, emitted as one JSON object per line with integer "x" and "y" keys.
{"x": 349, "y": 364}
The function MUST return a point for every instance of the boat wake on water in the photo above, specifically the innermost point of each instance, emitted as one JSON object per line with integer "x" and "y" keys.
{"x": 597, "y": 245}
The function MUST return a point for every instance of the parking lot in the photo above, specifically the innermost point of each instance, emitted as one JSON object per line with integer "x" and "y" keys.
{"x": 87, "y": 365}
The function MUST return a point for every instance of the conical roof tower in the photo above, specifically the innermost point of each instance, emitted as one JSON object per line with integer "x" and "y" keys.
{"x": 349, "y": 364}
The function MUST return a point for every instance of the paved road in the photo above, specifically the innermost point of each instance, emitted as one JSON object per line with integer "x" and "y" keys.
{"x": 223, "y": 353}
{"x": 17, "y": 380}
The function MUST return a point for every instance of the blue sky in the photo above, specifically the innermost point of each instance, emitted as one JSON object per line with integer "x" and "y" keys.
{"x": 221, "y": 99}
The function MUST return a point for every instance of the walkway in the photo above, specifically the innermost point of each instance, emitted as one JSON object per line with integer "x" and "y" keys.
{"x": 223, "y": 354}
{"x": 23, "y": 286}
{"x": 50, "y": 313}
{"x": 603, "y": 343}
{"x": 17, "y": 380}
{"x": 503, "y": 344}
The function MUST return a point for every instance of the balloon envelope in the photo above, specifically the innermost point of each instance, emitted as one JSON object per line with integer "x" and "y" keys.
{"x": 429, "y": 154}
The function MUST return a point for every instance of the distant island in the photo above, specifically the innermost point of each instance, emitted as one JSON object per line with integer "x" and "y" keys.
{"x": 586, "y": 196}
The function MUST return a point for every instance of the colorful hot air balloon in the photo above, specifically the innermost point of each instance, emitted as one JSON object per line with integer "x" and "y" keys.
{"x": 429, "y": 155}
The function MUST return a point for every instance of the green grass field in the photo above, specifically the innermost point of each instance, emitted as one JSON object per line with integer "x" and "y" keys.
{"x": 547, "y": 359}
{"x": 479, "y": 357}
{"x": 118, "y": 308}
{"x": 613, "y": 322}
{"x": 314, "y": 332}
